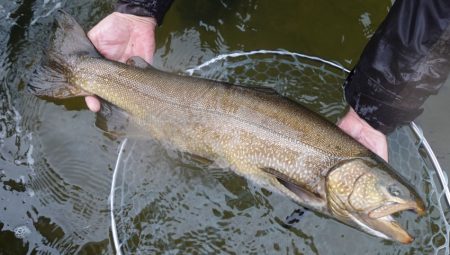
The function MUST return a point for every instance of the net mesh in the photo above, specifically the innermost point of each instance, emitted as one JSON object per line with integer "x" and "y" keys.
{"x": 164, "y": 203}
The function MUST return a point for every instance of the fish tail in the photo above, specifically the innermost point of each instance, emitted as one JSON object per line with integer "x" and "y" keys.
{"x": 52, "y": 77}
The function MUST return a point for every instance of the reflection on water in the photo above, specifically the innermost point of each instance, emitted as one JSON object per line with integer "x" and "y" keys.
{"x": 56, "y": 165}
{"x": 55, "y": 185}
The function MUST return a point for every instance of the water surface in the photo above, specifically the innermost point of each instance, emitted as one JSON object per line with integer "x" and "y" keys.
{"x": 56, "y": 164}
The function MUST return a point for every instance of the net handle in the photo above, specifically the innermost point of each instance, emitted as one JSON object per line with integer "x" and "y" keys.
{"x": 111, "y": 199}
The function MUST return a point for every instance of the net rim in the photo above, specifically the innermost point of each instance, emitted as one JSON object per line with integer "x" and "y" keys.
{"x": 413, "y": 126}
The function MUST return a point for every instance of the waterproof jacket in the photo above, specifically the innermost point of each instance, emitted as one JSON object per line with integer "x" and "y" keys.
{"x": 148, "y": 8}
{"x": 405, "y": 61}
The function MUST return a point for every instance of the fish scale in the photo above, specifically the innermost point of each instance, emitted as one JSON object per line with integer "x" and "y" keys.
{"x": 265, "y": 124}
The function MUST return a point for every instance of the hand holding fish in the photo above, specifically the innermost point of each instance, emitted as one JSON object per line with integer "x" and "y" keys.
{"x": 365, "y": 134}
{"x": 121, "y": 36}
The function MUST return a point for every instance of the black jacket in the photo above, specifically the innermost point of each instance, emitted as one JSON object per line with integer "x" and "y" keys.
{"x": 406, "y": 60}
{"x": 147, "y": 8}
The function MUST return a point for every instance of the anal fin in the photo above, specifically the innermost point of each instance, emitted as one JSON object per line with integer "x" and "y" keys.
{"x": 138, "y": 62}
{"x": 116, "y": 122}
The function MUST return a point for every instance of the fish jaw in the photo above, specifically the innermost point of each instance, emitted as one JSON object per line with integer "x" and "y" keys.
{"x": 395, "y": 207}
{"x": 384, "y": 227}
{"x": 379, "y": 221}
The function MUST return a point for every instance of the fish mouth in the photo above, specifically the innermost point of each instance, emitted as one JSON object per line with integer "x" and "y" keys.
{"x": 386, "y": 227}
{"x": 394, "y": 207}
{"x": 380, "y": 222}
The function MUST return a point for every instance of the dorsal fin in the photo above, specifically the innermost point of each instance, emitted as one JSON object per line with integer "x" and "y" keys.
{"x": 138, "y": 62}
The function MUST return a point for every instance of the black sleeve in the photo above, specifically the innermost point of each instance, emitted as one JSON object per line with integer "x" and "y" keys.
{"x": 406, "y": 60}
{"x": 148, "y": 8}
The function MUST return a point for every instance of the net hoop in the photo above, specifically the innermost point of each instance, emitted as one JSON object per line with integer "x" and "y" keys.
{"x": 422, "y": 144}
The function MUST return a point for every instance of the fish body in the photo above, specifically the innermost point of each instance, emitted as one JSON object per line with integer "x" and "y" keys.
{"x": 259, "y": 135}
{"x": 249, "y": 129}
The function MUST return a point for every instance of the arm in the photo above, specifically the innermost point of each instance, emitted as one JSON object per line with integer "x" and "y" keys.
{"x": 128, "y": 32}
{"x": 406, "y": 60}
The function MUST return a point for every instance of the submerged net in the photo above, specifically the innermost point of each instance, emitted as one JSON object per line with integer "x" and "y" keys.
{"x": 162, "y": 202}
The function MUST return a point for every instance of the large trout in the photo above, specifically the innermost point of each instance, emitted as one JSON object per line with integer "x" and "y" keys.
{"x": 262, "y": 136}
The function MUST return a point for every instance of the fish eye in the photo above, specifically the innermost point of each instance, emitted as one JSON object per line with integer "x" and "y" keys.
{"x": 394, "y": 190}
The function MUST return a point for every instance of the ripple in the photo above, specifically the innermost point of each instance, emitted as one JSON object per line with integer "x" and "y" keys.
{"x": 72, "y": 178}
{"x": 168, "y": 206}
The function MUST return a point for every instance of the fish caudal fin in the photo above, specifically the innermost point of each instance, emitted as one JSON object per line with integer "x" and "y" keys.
{"x": 69, "y": 41}
{"x": 70, "y": 38}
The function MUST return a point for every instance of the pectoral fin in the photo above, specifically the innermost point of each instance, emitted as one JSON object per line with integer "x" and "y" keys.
{"x": 303, "y": 194}
{"x": 199, "y": 159}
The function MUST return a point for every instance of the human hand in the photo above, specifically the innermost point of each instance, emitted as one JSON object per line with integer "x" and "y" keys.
{"x": 365, "y": 134}
{"x": 121, "y": 36}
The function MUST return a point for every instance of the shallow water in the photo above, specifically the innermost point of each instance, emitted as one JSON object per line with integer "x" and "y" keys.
{"x": 56, "y": 165}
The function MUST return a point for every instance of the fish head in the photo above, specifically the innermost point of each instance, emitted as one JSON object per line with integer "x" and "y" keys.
{"x": 365, "y": 192}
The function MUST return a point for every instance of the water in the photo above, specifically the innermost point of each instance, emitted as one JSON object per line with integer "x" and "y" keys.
{"x": 56, "y": 164}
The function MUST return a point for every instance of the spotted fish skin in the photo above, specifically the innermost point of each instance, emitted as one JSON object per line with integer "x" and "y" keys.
{"x": 225, "y": 114}
{"x": 263, "y": 136}
{"x": 245, "y": 128}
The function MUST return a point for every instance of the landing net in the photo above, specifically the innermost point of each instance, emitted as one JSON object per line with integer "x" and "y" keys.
{"x": 161, "y": 203}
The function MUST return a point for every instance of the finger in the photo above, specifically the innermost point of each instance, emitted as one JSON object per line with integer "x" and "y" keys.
{"x": 92, "y": 103}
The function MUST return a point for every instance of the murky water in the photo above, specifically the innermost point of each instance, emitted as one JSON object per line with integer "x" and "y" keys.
{"x": 56, "y": 165}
